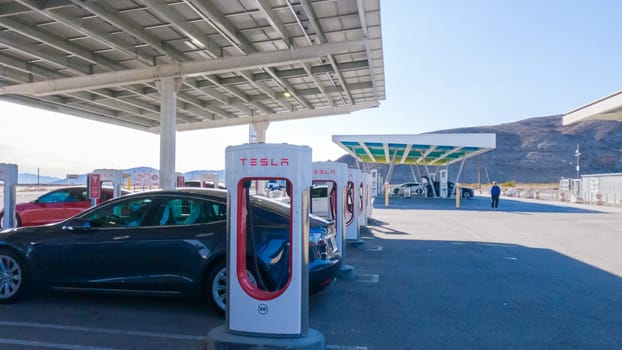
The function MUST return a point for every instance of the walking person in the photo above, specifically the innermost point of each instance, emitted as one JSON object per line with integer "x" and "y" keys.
{"x": 495, "y": 192}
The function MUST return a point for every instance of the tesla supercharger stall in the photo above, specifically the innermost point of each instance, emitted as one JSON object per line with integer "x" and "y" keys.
{"x": 352, "y": 207}
{"x": 443, "y": 184}
{"x": 375, "y": 187}
{"x": 8, "y": 176}
{"x": 369, "y": 196}
{"x": 363, "y": 192}
{"x": 180, "y": 181}
{"x": 254, "y": 310}
{"x": 98, "y": 177}
{"x": 335, "y": 176}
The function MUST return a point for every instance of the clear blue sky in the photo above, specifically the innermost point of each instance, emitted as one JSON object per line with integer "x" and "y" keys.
{"x": 448, "y": 64}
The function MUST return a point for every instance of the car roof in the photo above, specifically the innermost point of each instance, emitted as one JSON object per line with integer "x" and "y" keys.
{"x": 201, "y": 191}
{"x": 83, "y": 187}
{"x": 221, "y": 194}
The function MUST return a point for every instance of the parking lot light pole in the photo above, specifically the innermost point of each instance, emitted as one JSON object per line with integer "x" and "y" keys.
{"x": 577, "y": 154}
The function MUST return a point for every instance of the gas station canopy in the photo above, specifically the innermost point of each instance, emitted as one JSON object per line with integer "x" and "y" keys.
{"x": 234, "y": 61}
{"x": 421, "y": 149}
{"x": 606, "y": 108}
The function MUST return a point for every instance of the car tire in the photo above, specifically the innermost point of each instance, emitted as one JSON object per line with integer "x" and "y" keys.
{"x": 216, "y": 286}
{"x": 13, "y": 276}
{"x": 466, "y": 195}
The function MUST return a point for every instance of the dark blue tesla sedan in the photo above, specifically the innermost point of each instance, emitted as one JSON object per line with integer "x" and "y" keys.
{"x": 163, "y": 242}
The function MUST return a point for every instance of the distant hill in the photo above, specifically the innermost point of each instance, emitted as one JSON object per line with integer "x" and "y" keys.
{"x": 27, "y": 178}
{"x": 535, "y": 150}
{"x": 80, "y": 179}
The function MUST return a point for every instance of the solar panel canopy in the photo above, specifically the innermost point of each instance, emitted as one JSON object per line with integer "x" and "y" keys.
{"x": 420, "y": 149}
{"x": 606, "y": 108}
{"x": 235, "y": 61}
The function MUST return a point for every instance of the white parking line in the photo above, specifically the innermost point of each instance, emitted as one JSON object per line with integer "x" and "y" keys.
{"x": 345, "y": 347}
{"x": 369, "y": 278}
{"x": 47, "y": 345}
{"x": 102, "y": 330}
{"x": 375, "y": 249}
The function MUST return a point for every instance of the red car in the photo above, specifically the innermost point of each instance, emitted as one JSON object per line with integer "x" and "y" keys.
{"x": 55, "y": 206}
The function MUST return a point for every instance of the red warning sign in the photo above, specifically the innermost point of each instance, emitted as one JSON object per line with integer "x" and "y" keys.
{"x": 95, "y": 186}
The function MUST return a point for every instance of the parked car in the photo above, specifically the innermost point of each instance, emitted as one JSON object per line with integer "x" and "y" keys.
{"x": 55, "y": 206}
{"x": 201, "y": 183}
{"x": 159, "y": 242}
{"x": 465, "y": 192}
{"x": 416, "y": 189}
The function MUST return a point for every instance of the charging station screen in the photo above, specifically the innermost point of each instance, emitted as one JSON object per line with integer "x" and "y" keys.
{"x": 264, "y": 245}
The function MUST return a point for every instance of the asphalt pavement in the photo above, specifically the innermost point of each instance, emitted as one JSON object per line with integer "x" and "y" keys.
{"x": 530, "y": 275}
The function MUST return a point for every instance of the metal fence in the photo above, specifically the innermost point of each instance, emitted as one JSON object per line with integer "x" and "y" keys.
{"x": 599, "y": 189}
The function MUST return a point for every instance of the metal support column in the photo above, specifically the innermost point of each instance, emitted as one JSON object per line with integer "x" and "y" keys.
{"x": 458, "y": 177}
{"x": 8, "y": 177}
{"x": 168, "y": 105}
{"x": 258, "y": 132}
{"x": 419, "y": 173}
{"x": 430, "y": 181}
{"x": 412, "y": 173}
{"x": 390, "y": 171}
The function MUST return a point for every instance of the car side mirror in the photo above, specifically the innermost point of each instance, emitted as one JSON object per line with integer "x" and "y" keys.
{"x": 76, "y": 223}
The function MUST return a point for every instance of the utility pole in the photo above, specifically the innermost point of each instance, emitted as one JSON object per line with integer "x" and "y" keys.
{"x": 577, "y": 154}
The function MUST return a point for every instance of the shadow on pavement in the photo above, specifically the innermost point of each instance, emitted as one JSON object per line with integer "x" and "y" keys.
{"x": 469, "y": 295}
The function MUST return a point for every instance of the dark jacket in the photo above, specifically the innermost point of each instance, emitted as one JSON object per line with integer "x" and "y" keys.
{"x": 495, "y": 191}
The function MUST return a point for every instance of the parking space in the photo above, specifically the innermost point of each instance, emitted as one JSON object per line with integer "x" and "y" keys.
{"x": 429, "y": 276}
{"x": 81, "y": 321}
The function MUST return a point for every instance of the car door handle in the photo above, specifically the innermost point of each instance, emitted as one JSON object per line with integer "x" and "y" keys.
{"x": 118, "y": 238}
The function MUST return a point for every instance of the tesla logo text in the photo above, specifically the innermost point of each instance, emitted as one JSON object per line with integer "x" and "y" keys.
{"x": 324, "y": 172}
{"x": 264, "y": 162}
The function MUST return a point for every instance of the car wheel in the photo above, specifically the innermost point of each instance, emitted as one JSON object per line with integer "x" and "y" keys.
{"x": 466, "y": 195}
{"x": 216, "y": 286}
{"x": 396, "y": 191}
{"x": 12, "y": 276}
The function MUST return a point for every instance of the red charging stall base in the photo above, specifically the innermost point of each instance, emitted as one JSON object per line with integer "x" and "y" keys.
{"x": 219, "y": 339}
